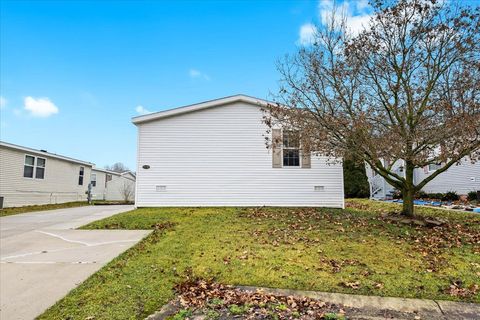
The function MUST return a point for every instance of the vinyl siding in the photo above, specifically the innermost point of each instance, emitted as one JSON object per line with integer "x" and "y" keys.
{"x": 59, "y": 185}
{"x": 113, "y": 189}
{"x": 461, "y": 178}
{"x": 218, "y": 157}
{"x": 99, "y": 192}
{"x": 117, "y": 184}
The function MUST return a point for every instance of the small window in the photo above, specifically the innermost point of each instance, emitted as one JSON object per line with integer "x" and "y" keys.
{"x": 29, "y": 167}
{"x": 434, "y": 167}
{"x": 40, "y": 169}
{"x": 93, "y": 180}
{"x": 80, "y": 176}
{"x": 291, "y": 149}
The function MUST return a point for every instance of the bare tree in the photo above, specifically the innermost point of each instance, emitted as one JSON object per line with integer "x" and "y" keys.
{"x": 127, "y": 191}
{"x": 406, "y": 88}
{"x": 117, "y": 167}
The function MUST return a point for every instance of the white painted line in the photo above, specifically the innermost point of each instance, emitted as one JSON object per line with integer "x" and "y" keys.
{"x": 83, "y": 242}
{"x": 64, "y": 249}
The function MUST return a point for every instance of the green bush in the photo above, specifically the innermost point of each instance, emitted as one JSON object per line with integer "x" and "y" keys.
{"x": 355, "y": 180}
{"x": 472, "y": 196}
{"x": 421, "y": 195}
{"x": 450, "y": 196}
{"x": 437, "y": 196}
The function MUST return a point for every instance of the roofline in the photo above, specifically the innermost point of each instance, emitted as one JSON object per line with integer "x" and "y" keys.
{"x": 199, "y": 106}
{"x": 127, "y": 172}
{"x": 114, "y": 172}
{"x": 47, "y": 154}
{"x": 106, "y": 171}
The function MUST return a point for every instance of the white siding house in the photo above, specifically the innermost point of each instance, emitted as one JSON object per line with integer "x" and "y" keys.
{"x": 112, "y": 186}
{"x": 29, "y": 176}
{"x": 461, "y": 178}
{"x": 214, "y": 154}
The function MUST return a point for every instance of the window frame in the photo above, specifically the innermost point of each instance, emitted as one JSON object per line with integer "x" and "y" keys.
{"x": 44, "y": 167}
{"x": 298, "y": 149}
{"x": 34, "y": 166}
{"x": 93, "y": 182}
{"x": 81, "y": 175}
{"x": 439, "y": 165}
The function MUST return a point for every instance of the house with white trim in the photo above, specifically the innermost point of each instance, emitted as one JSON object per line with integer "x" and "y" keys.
{"x": 112, "y": 186}
{"x": 29, "y": 177}
{"x": 461, "y": 178}
{"x": 34, "y": 177}
{"x": 214, "y": 153}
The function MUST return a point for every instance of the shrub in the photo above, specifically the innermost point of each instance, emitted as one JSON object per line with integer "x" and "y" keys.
{"x": 355, "y": 180}
{"x": 450, "y": 196}
{"x": 421, "y": 195}
{"x": 472, "y": 196}
{"x": 397, "y": 194}
{"x": 437, "y": 196}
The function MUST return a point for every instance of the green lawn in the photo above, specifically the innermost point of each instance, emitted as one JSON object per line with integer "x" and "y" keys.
{"x": 41, "y": 207}
{"x": 352, "y": 251}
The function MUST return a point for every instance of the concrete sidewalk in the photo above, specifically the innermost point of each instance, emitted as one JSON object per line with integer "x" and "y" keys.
{"x": 42, "y": 256}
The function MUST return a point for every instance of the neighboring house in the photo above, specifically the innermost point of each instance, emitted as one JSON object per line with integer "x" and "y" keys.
{"x": 112, "y": 186}
{"x": 461, "y": 178}
{"x": 29, "y": 176}
{"x": 214, "y": 154}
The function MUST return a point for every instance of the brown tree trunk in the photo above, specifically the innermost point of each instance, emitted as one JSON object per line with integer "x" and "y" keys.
{"x": 408, "y": 192}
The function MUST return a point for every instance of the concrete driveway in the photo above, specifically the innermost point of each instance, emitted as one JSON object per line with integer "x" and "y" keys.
{"x": 43, "y": 257}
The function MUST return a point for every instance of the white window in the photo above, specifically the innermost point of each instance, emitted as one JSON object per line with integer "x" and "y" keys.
{"x": 291, "y": 149}
{"x": 93, "y": 180}
{"x": 34, "y": 167}
{"x": 434, "y": 167}
{"x": 80, "y": 176}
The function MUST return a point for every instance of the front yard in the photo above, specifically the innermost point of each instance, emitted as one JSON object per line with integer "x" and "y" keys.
{"x": 355, "y": 250}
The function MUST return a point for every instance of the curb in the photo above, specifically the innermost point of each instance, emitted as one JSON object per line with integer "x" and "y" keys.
{"x": 423, "y": 308}
{"x": 433, "y": 308}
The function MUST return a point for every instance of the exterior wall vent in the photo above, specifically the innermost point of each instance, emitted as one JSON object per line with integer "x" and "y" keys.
{"x": 318, "y": 188}
{"x": 160, "y": 188}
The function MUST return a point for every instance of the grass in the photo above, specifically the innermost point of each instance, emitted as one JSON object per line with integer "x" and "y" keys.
{"x": 41, "y": 207}
{"x": 351, "y": 251}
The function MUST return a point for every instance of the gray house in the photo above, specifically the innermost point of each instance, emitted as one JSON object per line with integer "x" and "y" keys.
{"x": 461, "y": 178}
{"x": 112, "y": 186}
{"x": 29, "y": 176}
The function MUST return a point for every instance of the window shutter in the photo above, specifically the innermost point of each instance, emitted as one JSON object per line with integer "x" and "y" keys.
{"x": 306, "y": 160}
{"x": 276, "y": 148}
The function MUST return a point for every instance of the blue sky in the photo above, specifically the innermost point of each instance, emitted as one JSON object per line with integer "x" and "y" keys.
{"x": 73, "y": 73}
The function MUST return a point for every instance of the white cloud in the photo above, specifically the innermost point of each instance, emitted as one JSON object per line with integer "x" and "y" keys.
{"x": 3, "y": 102}
{"x": 355, "y": 21}
{"x": 307, "y": 34}
{"x": 196, "y": 74}
{"x": 40, "y": 107}
{"x": 142, "y": 110}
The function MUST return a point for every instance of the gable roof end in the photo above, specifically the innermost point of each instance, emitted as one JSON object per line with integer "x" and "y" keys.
{"x": 199, "y": 106}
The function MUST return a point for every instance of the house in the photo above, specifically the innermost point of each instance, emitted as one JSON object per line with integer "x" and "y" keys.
{"x": 29, "y": 176}
{"x": 461, "y": 178}
{"x": 112, "y": 186}
{"x": 214, "y": 154}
